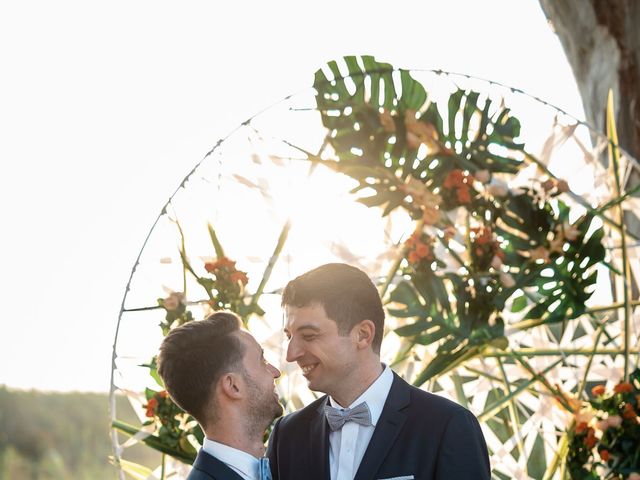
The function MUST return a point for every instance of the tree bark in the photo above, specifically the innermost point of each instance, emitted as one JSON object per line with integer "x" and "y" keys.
{"x": 601, "y": 39}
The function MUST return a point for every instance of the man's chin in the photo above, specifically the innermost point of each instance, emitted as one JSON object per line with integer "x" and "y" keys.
{"x": 316, "y": 386}
{"x": 278, "y": 411}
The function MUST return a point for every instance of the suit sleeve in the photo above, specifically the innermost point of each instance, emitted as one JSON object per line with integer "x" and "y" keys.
{"x": 463, "y": 452}
{"x": 272, "y": 449}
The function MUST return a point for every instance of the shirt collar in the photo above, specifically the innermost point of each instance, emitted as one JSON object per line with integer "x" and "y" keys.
{"x": 375, "y": 395}
{"x": 244, "y": 463}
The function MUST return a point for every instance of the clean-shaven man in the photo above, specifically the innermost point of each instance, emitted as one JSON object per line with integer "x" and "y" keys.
{"x": 371, "y": 424}
{"x": 216, "y": 371}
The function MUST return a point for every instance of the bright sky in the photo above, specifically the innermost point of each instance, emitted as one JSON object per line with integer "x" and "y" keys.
{"x": 105, "y": 106}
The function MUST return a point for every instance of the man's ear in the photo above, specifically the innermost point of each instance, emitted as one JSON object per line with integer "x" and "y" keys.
{"x": 230, "y": 385}
{"x": 364, "y": 332}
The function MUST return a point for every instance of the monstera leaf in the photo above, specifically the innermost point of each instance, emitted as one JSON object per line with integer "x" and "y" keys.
{"x": 431, "y": 157}
{"x": 384, "y": 130}
{"x": 557, "y": 285}
{"x": 460, "y": 334}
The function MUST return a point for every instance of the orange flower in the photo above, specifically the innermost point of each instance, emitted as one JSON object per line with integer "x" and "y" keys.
{"x": 623, "y": 387}
{"x": 581, "y": 427}
{"x": 210, "y": 266}
{"x": 413, "y": 257}
{"x": 604, "y": 455}
{"x": 455, "y": 178}
{"x": 430, "y": 215}
{"x": 629, "y": 413}
{"x": 163, "y": 394}
{"x": 222, "y": 262}
{"x": 239, "y": 276}
{"x": 423, "y": 250}
{"x": 598, "y": 390}
{"x": 151, "y": 406}
{"x": 463, "y": 194}
{"x": 590, "y": 440}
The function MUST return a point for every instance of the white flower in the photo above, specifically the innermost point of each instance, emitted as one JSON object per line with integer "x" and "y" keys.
{"x": 584, "y": 415}
{"x": 173, "y": 301}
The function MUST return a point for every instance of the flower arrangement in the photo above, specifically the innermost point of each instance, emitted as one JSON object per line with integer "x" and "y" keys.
{"x": 173, "y": 427}
{"x": 483, "y": 242}
{"x": 604, "y": 440}
{"x": 173, "y": 431}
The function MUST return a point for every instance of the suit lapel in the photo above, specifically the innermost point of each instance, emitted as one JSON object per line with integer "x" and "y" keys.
{"x": 389, "y": 426}
{"x": 214, "y": 467}
{"x": 319, "y": 444}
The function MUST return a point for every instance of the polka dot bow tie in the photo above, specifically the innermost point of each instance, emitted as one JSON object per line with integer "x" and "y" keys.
{"x": 337, "y": 417}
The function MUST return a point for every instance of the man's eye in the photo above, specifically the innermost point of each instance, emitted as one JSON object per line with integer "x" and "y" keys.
{"x": 307, "y": 338}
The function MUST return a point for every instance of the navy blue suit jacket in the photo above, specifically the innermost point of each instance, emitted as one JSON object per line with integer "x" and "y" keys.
{"x": 418, "y": 434}
{"x": 207, "y": 467}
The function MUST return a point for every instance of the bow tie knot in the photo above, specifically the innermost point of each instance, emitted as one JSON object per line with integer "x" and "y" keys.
{"x": 337, "y": 418}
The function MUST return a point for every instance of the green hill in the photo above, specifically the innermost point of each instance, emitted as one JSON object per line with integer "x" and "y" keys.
{"x": 60, "y": 436}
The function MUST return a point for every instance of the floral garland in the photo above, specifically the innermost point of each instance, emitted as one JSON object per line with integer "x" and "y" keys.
{"x": 604, "y": 440}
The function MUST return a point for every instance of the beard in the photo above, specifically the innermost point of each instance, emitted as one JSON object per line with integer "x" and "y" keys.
{"x": 263, "y": 406}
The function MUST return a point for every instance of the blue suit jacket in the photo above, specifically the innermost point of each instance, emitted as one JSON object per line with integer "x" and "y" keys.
{"x": 207, "y": 467}
{"x": 418, "y": 434}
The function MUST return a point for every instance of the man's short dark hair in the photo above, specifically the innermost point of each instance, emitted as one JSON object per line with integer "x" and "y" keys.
{"x": 346, "y": 293}
{"x": 194, "y": 356}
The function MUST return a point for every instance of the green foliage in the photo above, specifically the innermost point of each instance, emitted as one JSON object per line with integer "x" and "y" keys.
{"x": 429, "y": 159}
{"x": 376, "y": 115}
{"x": 616, "y": 449}
{"x": 62, "y": 436}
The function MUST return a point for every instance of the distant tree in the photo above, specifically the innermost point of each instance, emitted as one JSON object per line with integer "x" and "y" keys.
{"x": 62, "y": 436}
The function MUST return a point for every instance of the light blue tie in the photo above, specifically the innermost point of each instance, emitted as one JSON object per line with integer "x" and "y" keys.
{"x": 265, "y": 471}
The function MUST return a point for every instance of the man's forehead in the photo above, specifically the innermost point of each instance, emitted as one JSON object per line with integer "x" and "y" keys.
{"x": 247, "y": 339}
{"x": 299, "y": 317}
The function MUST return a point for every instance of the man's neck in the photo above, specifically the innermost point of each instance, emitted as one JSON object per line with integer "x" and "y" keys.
{"x": 237, "y": 436}
{"x": 364, "y": 377}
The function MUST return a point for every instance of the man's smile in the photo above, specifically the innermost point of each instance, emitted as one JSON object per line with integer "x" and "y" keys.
{"x": 307, "y": 369}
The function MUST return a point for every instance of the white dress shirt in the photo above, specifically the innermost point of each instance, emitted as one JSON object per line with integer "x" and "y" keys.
{"x": 348, "y": 444}
{"x": 243, "y": 463}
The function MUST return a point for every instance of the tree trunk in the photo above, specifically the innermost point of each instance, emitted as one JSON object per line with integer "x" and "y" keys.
{"x": 601, "y": 39}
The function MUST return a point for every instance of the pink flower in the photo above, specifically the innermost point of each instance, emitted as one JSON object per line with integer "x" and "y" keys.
{"x": 498, "y": 191}
{"x": 173, "y": 301}
{"x": 507, "y": 280}
{"x": 614, "y": 421}
{"x": 483, "y": 176}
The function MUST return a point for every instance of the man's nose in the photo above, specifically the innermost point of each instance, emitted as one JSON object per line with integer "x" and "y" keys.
{"x": 294, "y": 352}
{"x": 274, "y": 371}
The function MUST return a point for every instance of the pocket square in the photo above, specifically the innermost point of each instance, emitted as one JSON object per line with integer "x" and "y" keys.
{"x": 403, "y": 477}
